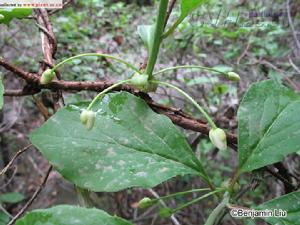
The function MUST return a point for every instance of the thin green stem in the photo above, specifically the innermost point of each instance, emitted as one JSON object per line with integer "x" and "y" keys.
{"x": 173, "y": 27}
{"x": 208, "y": 118}
{"x": 129, "y": 65}
{"x": 218, "y": 210}
{"x": 197, "y": 200}
{"x": 190, "y": 67}
{"x": 105, "y": 91}
{"x": 234, "y": 179}
{"x": 159, "y": 29}
{"x": 183, "y": 193}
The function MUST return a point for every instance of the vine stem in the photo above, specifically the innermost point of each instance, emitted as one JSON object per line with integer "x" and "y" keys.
{"x": 218, "y": 210}
{"x": 129, "y": 65}
{"x": 105, "y": 91}
{"x": 159, "y": 30}
{"x": 208, "y": 118}
{"x": 190, "y": 67}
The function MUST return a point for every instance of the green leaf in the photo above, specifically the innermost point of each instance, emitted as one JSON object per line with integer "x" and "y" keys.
{"x": 146, "y": 32}
{"x": 12, "y": 197}
{"x": 129, "y": 146}
{"x": 289, "y": 203}
{"x": 11, "y": 13}
{"x": 4, "y": 219}
{"x": 188, "y": 6}
{"x": 269, "y": 125}
{"x": 1, "y": 93}
{"x": 70, "y": 215}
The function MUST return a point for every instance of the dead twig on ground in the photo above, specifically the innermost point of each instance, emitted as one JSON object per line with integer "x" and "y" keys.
{"x": 31, "y": 200}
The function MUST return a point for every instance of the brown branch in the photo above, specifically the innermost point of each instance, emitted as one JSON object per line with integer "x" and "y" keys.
{"x": 31, "y": 200}
{"x": 3, "y": 171}
{"x": 29, "y": 77}
{"x": 292, "y": 25}
{"x": 171, "y": 6}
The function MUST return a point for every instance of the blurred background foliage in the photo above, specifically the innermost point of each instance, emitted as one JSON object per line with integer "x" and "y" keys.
{"x": 228, "y": 35}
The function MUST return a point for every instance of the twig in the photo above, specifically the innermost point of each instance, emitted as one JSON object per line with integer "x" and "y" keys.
{"x": 33, "y": 197}
{"x": 173, "y": 218}
{"x": 10, "y": 179}
{"x": 64, "y": 6}
{"x": 3, "y": 171}
{"x": 294, "y": 66}
{"x": 4, "y": 211}
{"x": 171, "y": 6}
{"x": 244, "y": 53}
{"x": 29, "y": 77}
{"x": 292, "y": 25}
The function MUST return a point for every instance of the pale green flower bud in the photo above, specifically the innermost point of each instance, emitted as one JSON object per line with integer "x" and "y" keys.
{"x": 146, "y": 203}
{"x": 218, "y": 137}
{"x": 139, "y": 81}
{"x": 165, "y": 212}
{"x": 47, "y": 76}
{"x": 1, "y": 17}
{"x": 226, "y": 184}
{"x": 233, "y": 76}
{"x": 87, "y": 118}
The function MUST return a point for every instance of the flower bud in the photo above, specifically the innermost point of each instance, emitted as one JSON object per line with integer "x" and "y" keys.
{"x": 233, "y": 76}
{"x": 87, "y": 118}
{"x": 140, "y": 81}
{"x": 226, "y": 184}
{"x": 146, "y": 203}
{"x": 2, "y": 17}
{"x": 165, "y": 212}
{"x": 218, "y": 137}
{"x": 47, "y": 76}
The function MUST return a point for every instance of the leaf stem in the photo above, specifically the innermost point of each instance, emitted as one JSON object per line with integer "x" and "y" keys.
{"x": 234, "y": 179}
{"x": 173, "y": 27}
{"x": 159, "y": 29}
{"x": 190, "y": 67}
{"x": 196, "y": 200}
{"x": 129, "y": 65}
{"x": 218, "y": 210}
{"x": 105, "y": 91}
{"x": 208, "y": 118}
{"x": 183, "y": 193}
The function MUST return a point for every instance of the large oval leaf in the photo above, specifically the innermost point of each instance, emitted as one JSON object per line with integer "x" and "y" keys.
{"x": 269, "y": 125}
{"x": 289, "y": 203}
{"x": 130, "y": 145}
{"x": 70, "y": 215}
